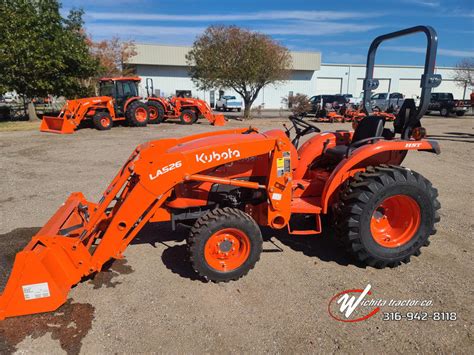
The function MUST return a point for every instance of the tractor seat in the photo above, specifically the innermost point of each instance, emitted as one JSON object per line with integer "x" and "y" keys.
{"x": 368, "y": 127}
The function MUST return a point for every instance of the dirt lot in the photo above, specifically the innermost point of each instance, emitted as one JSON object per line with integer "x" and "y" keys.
{"x": 153, "y": 301}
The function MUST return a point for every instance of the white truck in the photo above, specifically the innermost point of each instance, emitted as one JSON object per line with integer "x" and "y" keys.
{"x": 228, "y": 103}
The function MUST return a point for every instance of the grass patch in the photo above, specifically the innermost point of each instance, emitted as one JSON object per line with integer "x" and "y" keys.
{"x": 11, "y": 126}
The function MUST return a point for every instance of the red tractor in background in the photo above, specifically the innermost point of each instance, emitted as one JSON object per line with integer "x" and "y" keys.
{"x": 118, "y": 101}
{"x": 186, "y": 109}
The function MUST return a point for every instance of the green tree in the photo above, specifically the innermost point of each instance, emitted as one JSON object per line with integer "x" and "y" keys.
{"x": 234, "y": 58}
{"x": 41, "y": 52}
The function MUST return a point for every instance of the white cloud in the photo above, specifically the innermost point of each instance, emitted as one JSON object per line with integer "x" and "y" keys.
{"x": 155, "y": 34}
{"x": 441, "y": 51}
{"x": 313, "y": 28}
{"x": 250, "y": 16}
{"x": 429, "y": 3}
{"x": 158, "y": 33}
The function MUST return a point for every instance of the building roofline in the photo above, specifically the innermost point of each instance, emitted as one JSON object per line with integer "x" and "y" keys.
{"x": 190, "y": 46}
{"x": 381, "y": 65}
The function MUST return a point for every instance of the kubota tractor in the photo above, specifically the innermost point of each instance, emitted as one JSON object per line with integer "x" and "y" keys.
{"x": 186, "y": 109}
{"x": 226, "y": 184}
{"x": 118, "y": 101}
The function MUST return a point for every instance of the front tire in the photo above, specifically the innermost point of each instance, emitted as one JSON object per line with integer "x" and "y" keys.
{"x": 444, "y": 112}
{"x": 188, "y": 117}
{"x": 224, "y": 244}
{"x": 137, "y": 114}
{"x": 386, "y": 214}
{"x": 102, "y": 121}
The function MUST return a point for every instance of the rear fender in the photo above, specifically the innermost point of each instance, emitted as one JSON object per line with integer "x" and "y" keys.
{"x": 129, "y": 101}
{"x": 161, "y": 101}
{"x": 360, "y": 159}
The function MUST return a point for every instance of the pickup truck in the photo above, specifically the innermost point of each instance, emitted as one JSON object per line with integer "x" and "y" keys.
{"x": 444, "y": 103}
{"x": 228, "y": 103}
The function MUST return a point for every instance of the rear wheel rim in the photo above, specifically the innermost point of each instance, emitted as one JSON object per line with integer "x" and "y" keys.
{"x": 140, "y": 114}
{"x": 395, "y": 221}
{"x": 105, "y": 122}
{"x": 227, "y": 249}
{"x": 153, "y": 113}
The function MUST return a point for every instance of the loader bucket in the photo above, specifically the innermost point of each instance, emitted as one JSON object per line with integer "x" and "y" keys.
{"x": 57, "y": 125}
{"x": 219, "y": 120}
{"x": 44, "y": 272}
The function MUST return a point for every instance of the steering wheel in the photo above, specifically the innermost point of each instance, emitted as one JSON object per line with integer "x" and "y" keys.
{"x": 302, "y": 128}
{"x": 302, "y": 125}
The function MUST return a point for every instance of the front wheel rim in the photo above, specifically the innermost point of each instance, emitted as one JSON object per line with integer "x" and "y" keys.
{"x": 395, "y": 221}
{"x": 105, "y": 122}
{"x": 227, "y": 249}
{"x": 187, "y": 117}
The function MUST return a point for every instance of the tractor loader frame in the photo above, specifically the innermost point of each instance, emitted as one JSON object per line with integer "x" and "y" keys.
{"x": 226, "y": 184}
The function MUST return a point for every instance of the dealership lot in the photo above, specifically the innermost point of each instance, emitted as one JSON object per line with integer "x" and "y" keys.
{"x": 153, "y": 301}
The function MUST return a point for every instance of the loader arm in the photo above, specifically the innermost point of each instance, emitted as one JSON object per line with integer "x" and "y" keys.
{"x": 206, "y": 111}
{"x": 72, "y": 114}
{"x": 81, "y": 236}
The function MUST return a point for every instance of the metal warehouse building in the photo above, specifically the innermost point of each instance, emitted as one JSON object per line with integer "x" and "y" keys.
{"x": 166, "y": 65}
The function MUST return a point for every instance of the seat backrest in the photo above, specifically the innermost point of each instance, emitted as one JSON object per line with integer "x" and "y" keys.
{"x": 368, "y": 127}
{"x": 406, "y": 114}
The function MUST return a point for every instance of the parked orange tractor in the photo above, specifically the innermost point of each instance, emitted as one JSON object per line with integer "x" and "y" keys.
{"x": 118, "y": 101}
{"x": 186, "y": 109}
{"x": 225, "y": 184}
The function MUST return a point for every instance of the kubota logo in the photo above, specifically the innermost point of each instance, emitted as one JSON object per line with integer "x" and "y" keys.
{"x": 226, "y": 155}
{"x": 343, "y": 307}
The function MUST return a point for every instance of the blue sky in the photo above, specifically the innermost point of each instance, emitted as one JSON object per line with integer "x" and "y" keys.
{"x": 341, "y": 31}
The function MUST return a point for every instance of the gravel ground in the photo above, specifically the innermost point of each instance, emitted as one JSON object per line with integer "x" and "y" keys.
{"x": 153, "y": 302}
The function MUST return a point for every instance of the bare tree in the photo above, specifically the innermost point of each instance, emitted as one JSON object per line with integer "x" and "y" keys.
{"x": 113, "y": 55}
{"x": 464, "y": 74}
{"x": 298, "y": 104}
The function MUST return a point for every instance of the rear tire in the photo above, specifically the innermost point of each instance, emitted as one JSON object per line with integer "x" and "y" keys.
{"x": 156, "y": 111}
{"x": 137, "y": 114}
{"x": 224, "y": 244}
{"x": 188, "y": 117}
{"x": 102, "y": 121}
{"x": 460, "y": 113}
{"x": 386, "y": 214}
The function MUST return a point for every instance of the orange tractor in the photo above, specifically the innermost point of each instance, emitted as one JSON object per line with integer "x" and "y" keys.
{"x": 118, "y": 101}
{"x": 188, "y": 110}
{"x": 225, "y": 184}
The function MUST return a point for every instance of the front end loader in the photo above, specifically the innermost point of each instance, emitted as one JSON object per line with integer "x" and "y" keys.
{"x": 226, "y": 184}
{"x": 188, "y": 110}
{"x": 119, "y": 101}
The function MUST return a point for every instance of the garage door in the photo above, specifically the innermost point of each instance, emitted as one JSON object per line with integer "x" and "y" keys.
{"x": 450, "y": 86}
{"x": 384, "y": 85}
{"x": 328, "y": 86}
{"x": 409, "y": 87}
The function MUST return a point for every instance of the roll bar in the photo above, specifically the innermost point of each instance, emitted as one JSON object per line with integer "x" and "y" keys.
{"x": 429, "y": 80}
{"x": 150, "y": 90}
